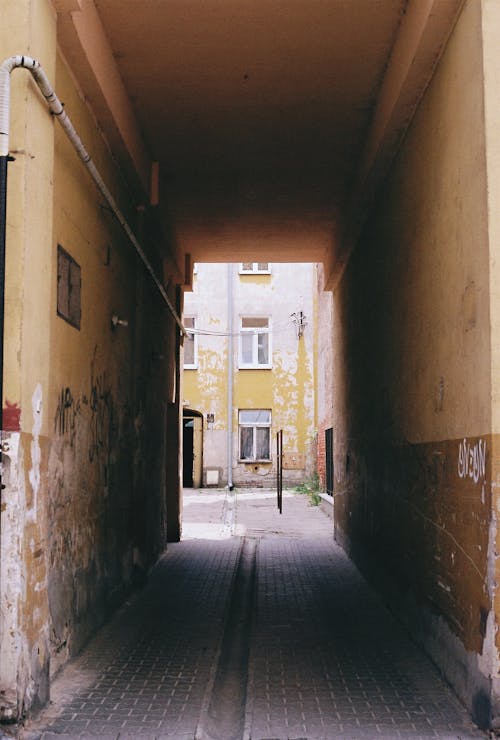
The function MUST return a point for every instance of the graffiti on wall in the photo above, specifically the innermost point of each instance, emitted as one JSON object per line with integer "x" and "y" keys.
{"x": 472, "y": 459}
{"x": 67, "y": 412}
{"x": 101, "y": 414}
{"x": 97, "y": 407}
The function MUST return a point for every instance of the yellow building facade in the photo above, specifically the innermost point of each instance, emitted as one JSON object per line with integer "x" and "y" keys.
{"x": 249, "y": 371}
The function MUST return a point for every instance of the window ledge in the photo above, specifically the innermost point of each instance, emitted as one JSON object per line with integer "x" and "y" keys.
{"x": 246, "y": 461}
{"x": 255, "y": 272}
{"x": 255, "y": 367}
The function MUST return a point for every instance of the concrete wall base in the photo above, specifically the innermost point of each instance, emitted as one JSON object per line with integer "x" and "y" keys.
{"x": 327, "y": 504}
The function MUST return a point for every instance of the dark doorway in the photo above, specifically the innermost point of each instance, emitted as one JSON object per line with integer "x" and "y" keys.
{"x": 329, "y": 460}
{"x": 187, "y": 452}
{"x": 192, "y": 449}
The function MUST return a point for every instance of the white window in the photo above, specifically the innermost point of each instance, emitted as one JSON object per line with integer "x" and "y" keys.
{"x": 255, "y": 343}
{"x": 190, "y": 345}
{"x": 255, "y": 434}
{"x": 252, "y": 268}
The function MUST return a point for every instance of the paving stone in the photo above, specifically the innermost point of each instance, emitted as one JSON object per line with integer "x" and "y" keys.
{"x": 326, "y": 660}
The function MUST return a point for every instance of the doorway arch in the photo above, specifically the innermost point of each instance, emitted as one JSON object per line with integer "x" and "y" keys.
{"x": 192, "y": 448}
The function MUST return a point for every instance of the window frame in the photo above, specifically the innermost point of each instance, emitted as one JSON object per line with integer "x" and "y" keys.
{"x": 69, "y": 288}
{"x": 255, "y": 331}
{"x": 256, "y": 425}
{"x": 191, "y": 365}
{"x": 255, "y": 270}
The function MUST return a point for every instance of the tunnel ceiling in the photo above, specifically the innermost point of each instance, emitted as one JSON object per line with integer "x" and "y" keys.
{"x": 246, "y": 85}
{"x": 266, "y": 116}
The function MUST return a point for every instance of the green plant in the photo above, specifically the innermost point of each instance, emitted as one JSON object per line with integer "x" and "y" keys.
{"x": 311, "y": 488}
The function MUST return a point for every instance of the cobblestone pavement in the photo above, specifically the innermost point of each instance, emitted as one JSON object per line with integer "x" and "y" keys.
{"x": 318, "y": 656}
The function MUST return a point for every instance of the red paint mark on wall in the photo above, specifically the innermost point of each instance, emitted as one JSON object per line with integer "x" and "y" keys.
{"x": 11, "y": 417}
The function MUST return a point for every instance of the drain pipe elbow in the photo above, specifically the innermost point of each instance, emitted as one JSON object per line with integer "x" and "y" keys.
{"x": 54, "y": 104}
{"x": 57, "y": 109}
{"x": 6, "y": 67}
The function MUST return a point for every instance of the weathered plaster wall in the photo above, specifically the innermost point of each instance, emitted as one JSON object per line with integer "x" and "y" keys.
{"x": 287, "y": 389}
{"x": 91, "y": 409}
{"x": 110, "y": 393}
{"x": 324, "y": 351}
{"x": 205, "y": 388}
{"x": 91, "y": 414}
{"x": 491, "y": 66}
{"x": 412, "y": 377}
{"x": 24, "y": 632}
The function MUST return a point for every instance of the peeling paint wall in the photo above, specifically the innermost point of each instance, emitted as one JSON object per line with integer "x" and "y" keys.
{"x": 288, "y": 389}
{"x": 491, "y": 67}
{"x": 110, "y": 390}
{"x": 412, "y": 382}
{"x": 324, "y": 352}
{"x": 91, "y": 413}
{"x": 24, "y": 629}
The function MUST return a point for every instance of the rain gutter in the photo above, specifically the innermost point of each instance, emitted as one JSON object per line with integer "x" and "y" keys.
{"x": 230, "y": 376}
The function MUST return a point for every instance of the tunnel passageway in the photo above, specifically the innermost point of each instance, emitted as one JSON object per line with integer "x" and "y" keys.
{"x": 254, "y": 626}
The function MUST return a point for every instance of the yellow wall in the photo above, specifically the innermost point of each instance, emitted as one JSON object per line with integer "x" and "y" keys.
{"x": 412, "y": 371}
{"x": 415, "y": 370}
{"x": 92, "y": 416}
{"x": 491, "y": 65}
{"x": 287, "y": 389}
{"x": 91, "y": 385}
{"x": 24, "y": 637}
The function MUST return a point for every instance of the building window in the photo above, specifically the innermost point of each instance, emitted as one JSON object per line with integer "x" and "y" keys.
{"x": 190, "y": 345}
{"x": 69, "y": 288}
{"x": 252, "y": 268}
{"x": 255, "y": 341}
{"x": 255, "y": 434}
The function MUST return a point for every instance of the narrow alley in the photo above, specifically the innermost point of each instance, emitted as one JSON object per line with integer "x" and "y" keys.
{"x": 256, "y": 626}
{"x": 139, "y": 142}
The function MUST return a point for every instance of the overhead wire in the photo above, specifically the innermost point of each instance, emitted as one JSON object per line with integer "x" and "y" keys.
{"x": 280, "y": 328}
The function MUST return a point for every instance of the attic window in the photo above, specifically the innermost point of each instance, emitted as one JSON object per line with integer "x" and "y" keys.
{"x": 254, "y": 268}
{"x": 69, "y": 282}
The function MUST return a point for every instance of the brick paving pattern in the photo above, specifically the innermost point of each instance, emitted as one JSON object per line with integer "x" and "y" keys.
{"x": 146, "y": 674}
{"x": 326, "y": 659}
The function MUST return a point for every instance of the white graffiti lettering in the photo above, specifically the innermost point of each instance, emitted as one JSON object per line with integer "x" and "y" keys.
{"x": 472, "y": 459}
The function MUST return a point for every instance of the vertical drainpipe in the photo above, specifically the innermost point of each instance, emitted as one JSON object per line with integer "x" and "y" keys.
{"x": 3, "y": 217}
{"x": 230, "y": 374}
{"x": 4, "y": 160}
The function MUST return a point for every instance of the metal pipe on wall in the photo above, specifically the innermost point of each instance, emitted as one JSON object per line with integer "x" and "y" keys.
{"x": 3, "y": 221}
{"x": 57, "y": 109}
{"x": 230, "y": 376}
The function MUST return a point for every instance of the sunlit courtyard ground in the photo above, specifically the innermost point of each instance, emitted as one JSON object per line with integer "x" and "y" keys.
{"x": 216, "y": 514}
